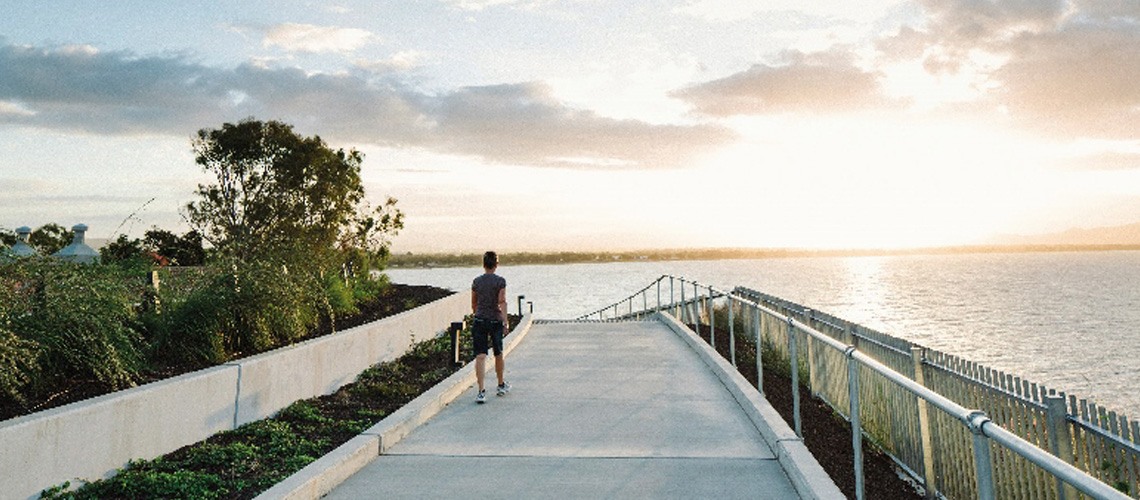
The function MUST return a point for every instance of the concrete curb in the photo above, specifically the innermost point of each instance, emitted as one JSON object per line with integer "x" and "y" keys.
{"x": 808, "y": 477}
{"x": 323, "y": 475}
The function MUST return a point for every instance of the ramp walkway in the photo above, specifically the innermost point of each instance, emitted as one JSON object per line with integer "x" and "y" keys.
{"x": 597, "y": 410}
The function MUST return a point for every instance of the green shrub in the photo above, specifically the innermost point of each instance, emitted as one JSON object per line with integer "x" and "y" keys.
{"x": 18, "y": 366}
{"x": 239, "y": 310}
{"x": 341, "y": 299}
{"x": 80, "y": 317}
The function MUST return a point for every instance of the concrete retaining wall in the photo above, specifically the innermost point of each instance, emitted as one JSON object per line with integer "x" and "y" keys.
{"x": 92, "y": 439}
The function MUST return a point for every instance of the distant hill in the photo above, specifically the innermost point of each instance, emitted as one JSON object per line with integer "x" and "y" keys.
{"x": 1128, "y": 234}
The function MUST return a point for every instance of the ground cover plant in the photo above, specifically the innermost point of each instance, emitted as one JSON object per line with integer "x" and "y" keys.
{"x": 246, "y": 461}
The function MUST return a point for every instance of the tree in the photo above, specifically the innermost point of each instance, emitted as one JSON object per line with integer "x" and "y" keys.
{"x": 50, "y": 238}
{"x": 7, "y": 237}
{"x": 185, "y": 250}
{"x": 275, "y": 190}
{"x": 120, "y": 250}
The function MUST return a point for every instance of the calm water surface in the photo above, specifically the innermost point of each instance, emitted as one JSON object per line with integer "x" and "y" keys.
{"x": 1069, "y": 320}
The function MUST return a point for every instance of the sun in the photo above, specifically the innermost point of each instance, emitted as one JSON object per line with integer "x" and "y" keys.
{"x": 869, "y": 181}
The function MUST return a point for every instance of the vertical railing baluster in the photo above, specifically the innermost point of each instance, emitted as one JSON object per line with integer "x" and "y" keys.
{"x": 731, "y": 330}
{"x": 1060, "y": 439}
{"x": 712, "y": 318}
{"x": 681, "y": 310}
{"x": 917, "y": 355}
{"x": 812, "y": 371}
{"x": 856, "y": 419}
{"x": 983, "y": 461}
{"x": 759, "y": 353}
{"x": 697, "y": 308}
{"x": 794, "y": 361}
{"x": 658, "y": 308}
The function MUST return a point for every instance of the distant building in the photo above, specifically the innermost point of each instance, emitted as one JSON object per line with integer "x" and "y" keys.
{"x": 78, "y": 251}
{"x": 22, "y": 248}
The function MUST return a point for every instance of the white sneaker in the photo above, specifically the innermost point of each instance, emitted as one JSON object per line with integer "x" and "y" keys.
{"x": 503, "y": 389}
{"x": 482, "y": 397}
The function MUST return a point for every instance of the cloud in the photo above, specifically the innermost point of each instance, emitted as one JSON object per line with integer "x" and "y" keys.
{"x": 524, "y": 123}
{"x": 819, "y": 82}
{"x": 725, "y": 11}
{"x": 1105, "y": 160}
{"x": 1066, "y": 68}
{"x": 310, "y": 38}
{"x": 15, "y": 109}
{"x": 478, "y": 5}
{"x": 121, "y": 93}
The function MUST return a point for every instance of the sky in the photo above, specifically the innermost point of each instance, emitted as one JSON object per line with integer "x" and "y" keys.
{"x": 593, "y": 124}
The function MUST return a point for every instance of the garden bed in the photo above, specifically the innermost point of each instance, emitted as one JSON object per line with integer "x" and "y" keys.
{"x": 246, "y": 461}
{"x": 396, "y": 299}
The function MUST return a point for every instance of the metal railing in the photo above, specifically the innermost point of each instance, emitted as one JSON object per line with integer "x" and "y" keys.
{"x": 865, "y": 379}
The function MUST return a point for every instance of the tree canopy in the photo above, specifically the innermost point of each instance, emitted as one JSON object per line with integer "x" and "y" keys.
{"x": 276, "y": 191}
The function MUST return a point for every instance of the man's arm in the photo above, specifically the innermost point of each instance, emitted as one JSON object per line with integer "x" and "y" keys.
{"x": 503, "y": 306}
{"x": 474, "y": 302}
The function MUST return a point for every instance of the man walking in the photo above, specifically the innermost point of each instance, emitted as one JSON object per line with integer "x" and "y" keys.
{"x": 489, "y": 306}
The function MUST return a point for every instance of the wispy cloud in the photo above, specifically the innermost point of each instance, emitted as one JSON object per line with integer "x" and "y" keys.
{"x": 477, "y": 5}
{"x": 294, "y": 37}
{"x": 120, "y": 92}
{"x": 819, "y": 82}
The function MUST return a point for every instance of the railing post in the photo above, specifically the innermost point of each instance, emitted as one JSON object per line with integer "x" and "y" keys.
{"x": 918, "y": 355}
{"x": 811, "y": 355}
{"x": 1060, "y": 439}
{"x": 697, "y": 308}
{"x": 849, "y": 332}
{"x": 853, "y": 412}
{"x": 712, "y": 318}
{"x": 983, "y": 462}
{"x": 795, "y": 365}
{"x": 644, "y": 303}
{"x": 682, "y": 309}
{"x": 658, "y": 308}
{"x": 672, "y": 301}
{"x": 759, "y": 353}
{"x": 732, "y": 329}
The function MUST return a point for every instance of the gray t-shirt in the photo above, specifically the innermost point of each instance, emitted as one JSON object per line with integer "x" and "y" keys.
{"x": 486, "y": 288}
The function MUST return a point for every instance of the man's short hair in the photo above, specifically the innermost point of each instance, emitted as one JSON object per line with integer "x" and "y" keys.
{"x": 490, "y": 260}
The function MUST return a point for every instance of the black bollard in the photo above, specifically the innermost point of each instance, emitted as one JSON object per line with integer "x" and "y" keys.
{"x": 455, "y": 347}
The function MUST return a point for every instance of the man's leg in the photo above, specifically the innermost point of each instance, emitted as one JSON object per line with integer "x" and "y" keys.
{"x": 480, "y": 365}
{"x": 498, "y": 368}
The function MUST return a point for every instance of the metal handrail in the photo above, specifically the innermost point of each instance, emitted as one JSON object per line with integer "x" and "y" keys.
{"x": 982, "y": 428}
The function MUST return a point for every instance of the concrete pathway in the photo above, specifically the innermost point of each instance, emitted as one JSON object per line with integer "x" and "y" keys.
{"x": 598, "y": 410}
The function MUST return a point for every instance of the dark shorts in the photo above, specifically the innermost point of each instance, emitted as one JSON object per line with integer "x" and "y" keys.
{"x": 487, "y": 333}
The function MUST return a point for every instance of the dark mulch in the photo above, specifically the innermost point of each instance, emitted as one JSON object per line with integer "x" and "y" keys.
{"x": 825, "y": 433}
{"x": 396, "y": 299}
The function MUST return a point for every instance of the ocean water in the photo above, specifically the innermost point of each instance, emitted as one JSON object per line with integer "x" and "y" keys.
{"x": 1068, "y": 320}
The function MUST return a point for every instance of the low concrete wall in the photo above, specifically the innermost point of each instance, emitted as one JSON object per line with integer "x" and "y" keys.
{"x": 273, "y": 380}
{"x": 92, "y": 439}
{"x": 326, "y": 473}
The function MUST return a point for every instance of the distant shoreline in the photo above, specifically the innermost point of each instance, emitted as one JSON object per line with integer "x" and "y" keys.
{"x": 432, "y": 260}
